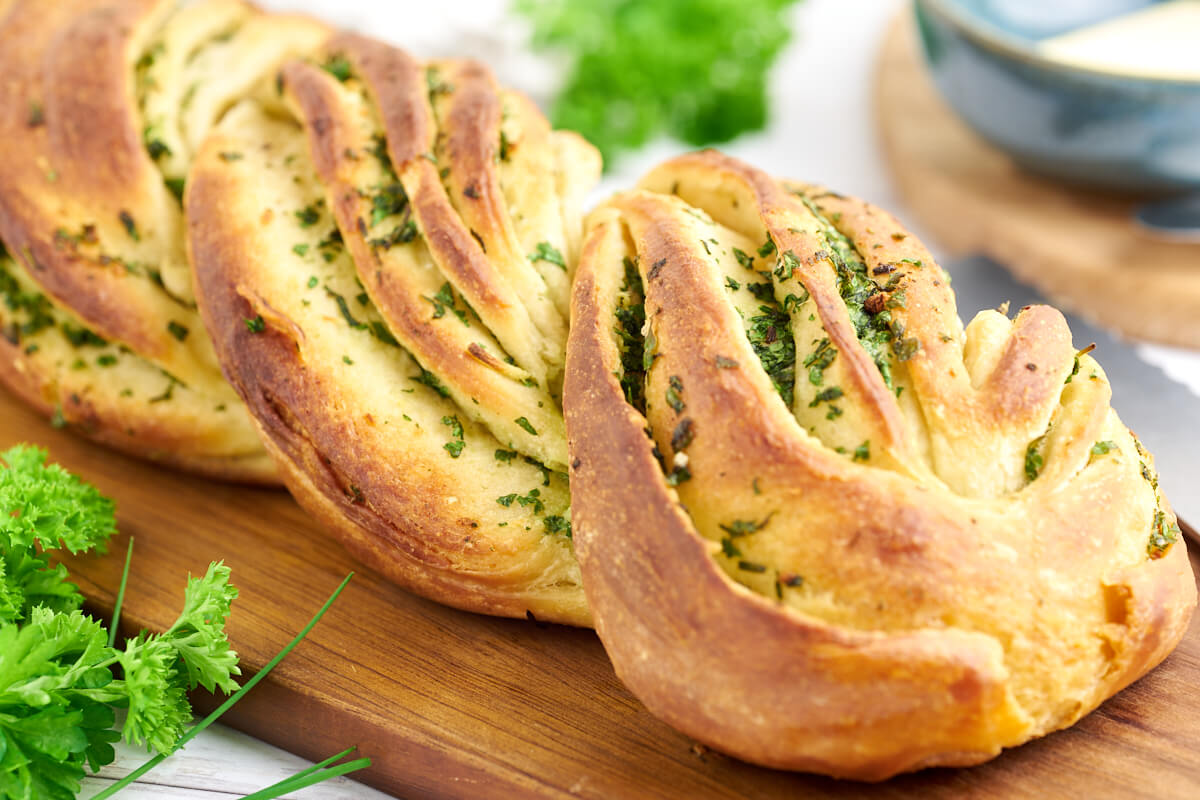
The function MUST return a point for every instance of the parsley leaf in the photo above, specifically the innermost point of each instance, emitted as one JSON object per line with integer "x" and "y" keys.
{"x": 58, "y": 691}
{"x": 44, "y": 502}
{"x": 548, "y": 253}
{"x": 634, "y": 66}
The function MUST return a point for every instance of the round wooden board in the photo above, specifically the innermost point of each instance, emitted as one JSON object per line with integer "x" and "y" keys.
{"x": 1080, "y": 248}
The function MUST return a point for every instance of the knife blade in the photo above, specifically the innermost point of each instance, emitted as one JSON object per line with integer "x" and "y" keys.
{"x": 1161, "y": 411}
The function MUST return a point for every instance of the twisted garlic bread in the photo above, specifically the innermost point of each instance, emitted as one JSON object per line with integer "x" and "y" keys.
{"x": 101, "y": 108}
{"x": 822, "y": 526}
{"x": 382, "y": 253}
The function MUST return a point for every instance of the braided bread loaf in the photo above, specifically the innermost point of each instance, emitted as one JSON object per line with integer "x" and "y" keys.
{"x": 382, "y": 254}
{"x": 874, "y": 541}
{"x": 101, "y": 107}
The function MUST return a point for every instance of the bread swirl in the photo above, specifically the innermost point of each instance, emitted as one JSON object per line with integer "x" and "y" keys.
{"x": 382, "y": 252}
{"x": 102, "y": 105}
{"x": 822, "y": 526}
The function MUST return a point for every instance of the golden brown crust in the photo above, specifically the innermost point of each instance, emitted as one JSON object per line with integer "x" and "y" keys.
{"x": 71, "y": 61}
{"x": 394, "y": 521}
{"x": 111, "y": 424}
{"x": 92, "y": 96}
{"x": 388, "y": 402}
{"x": 388, "y": 272}
{"x": 891, "y": 614}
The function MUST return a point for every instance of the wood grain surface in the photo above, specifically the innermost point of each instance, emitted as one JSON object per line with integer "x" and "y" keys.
{"x": 452, "y": 705}
{"x": 1081, "y": 248}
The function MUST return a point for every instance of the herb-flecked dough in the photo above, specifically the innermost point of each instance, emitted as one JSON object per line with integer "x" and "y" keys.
{"x": 101, "y": 108}
{"x": 823, "y": 526}
{"x": 384, "y": 269}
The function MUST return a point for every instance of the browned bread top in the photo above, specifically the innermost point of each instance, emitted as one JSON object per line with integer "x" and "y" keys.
{"x": 859, "y": 538}
{"x": 383, "y": 252}
{"x": 103, "y": 104}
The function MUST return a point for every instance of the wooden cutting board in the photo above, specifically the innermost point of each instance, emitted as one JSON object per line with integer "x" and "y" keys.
{"x": 453, "y": 705}
{"x": 1081, "y": 248}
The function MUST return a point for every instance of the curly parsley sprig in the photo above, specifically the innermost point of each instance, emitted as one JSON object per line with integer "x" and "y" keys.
{"x": 61, "y": 677}
{"x": 692, "y": 69}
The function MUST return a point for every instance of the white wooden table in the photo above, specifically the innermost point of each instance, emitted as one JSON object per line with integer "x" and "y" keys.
{"x": 821, "y": 131}
{"x": 219, "y": 763}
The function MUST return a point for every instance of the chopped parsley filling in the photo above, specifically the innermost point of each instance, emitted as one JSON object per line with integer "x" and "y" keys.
{"x": 1034, "y": 460}
{"x": 631, "y": 319}
{"x": 455, "y": 446}
{"x": 556, "y": 523}
{"x": 770, "y": 334}
{"x": 819, "y": 360}
{"x": 443, "y": 301}
{"x": 338, "y": 66}
{"x": 877, "y": 333}
{"x": 1163, "y": 534}
{"x": 427, "y": 378}
{"x": 389, "y": 199}
{"x": 548, "y": 253}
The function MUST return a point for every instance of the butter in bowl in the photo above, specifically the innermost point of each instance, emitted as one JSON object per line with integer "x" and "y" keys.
{"x": 1104, "y": 93}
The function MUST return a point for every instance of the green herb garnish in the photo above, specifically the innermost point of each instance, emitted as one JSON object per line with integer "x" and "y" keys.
{"x": 389, "y": 200}
{"x": 443, "y": 301}
{"x": 558, "y": 524}
{"x": 401, "y": 234}
{"x": 175, "y": 186}
{"x": 1033, "y": 460}
{"x": 742, "y": 527}
{"x": 454, "y": 447}
{"x": 427, "y": 378}
{"x": 339, "y": 67}
{"x": 344, "y": 308}
{"x": 130, "y": 226}
{"x": 58, "y": 690}
{"x": 770, "y": 334}
{"x": 631, "y": 318}
{"x": 1163, "y": 534}
{"x": 678, "y": 474}
{"x": 819, "y": 360}
{"x": 534, "y": 499}
{"x": 744, "y": 258}
{"x": 309, "y": 215}
{"x": 787, "y": 266}
{"x": 674, "y": 393}
{"x": 548, "y": 253}
{"x": 634, "y": 66}
{"x": 826, "y": 396}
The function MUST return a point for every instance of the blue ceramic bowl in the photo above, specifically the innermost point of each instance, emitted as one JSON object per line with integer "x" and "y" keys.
{"x": 1084, "y": 125}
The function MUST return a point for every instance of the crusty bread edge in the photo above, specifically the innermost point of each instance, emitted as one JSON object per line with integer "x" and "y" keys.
{"x": 268, "y": 374}
{"x": 759, "y": 681}
{"x": 119, "y": 426}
